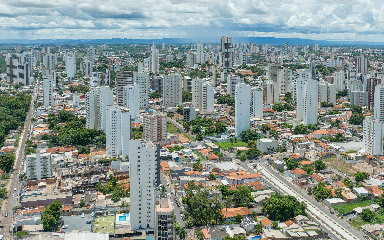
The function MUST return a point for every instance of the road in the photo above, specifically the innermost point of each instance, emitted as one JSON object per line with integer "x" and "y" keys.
{"x": 337, "y": 228}
{"x": 14, "y": 182}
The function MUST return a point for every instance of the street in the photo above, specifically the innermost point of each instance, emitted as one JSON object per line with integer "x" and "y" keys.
{"x": 14, "y": 182}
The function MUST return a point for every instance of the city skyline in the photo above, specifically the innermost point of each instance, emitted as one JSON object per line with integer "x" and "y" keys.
{"x": 328, "y": 20}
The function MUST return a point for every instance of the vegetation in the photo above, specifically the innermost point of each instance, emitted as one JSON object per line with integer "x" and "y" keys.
{"x": 326, "y": 104}
{"x": 250, "y": 135}
{"x": 283, "y": 208}
{"x": 279, "y": 107}
{"x": 187, "y": 96}
{"x": 226, "y": 99}
{"x": 172, "y": 128}
{"x": 357, "y": 115}
{"x": 73, "y": 133}
{"x": 301, "y": 129}
{"x": 79, "y": 88}
{"x": 51, "y": 215}
{"x": 153, "y": 95}
{"x": 344, "y": 209}
{"x": 361, "y": 176}
{"x": 205, "y": 127}
{"x": 175, "y": 148}
{"x": 13, "y": 111}
{"x": 231, "y": 144}
{"x": 320, "y": 192}
{"x": 341, "y": 94}
{"x": 114, "y": 188}
{"x": 241, "y": 197}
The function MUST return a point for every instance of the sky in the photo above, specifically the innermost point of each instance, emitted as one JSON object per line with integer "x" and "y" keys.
{"x": 352, "y": 20}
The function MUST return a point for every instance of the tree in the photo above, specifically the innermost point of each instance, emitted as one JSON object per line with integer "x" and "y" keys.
{"x": 3, "y": 192}
{"x": 186, "y": 96}
{"x": 291, "y": 164}
{"x": 82, "y": 202}
{"x": 367, "y": 215}
{"x": 250, "y": 134}
{"x": 199, "y": 234}
{"x": 360, "y": 176}
{"x": 348, "y": 183}
{"x": 6, "y": 161}
{"x": 153, "y": 95}
{"x": 265, "y": 128}
{"x": 182, "y": 233}
{"x": 288, "y": 97}
{"x": 319, "y": 165}
{"x": 320, "y": 192}
{"x": 356, "y": 119}
{"x": 282, "y": 208}
{"x": 237, "y": 219}
{"x": 211, "y": 176}
{"x": 242, "y": 196}
{"x": 300, "y": 129}
{"x": 259, "y": 229}
{"x": 51, "y": 215}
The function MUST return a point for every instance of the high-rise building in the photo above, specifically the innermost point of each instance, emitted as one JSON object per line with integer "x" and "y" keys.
{"x": 118, "y": 131}
{"x": 38, "y": 166}
{"x": 155, "y": 126}
{"x": 70, "y": 65}
{"x": 142, "y": 79}
{"x": 272, "y": 71}
{"x": 91, "y": 54}
{"x": 123, "y": 79}
{"x": 242, "y": 108}
{"x": 379, "y": 103}
{"x": 373, "y": 136}
{"x": 131, "y": 99}
{"x": 200, "y": 53}
{"x": 339, "y": 80}
{"x": 157, "y": 83}
{"x": 49, "y": 61}
{"x": 361, "y": 64}
{"x": 371, "y": 91}
{"x": 155, "y": 64}
{"x": 232, "y": 81}
{"x": 164, "y": 222}
{"x": 271, "y": 92}
{"x": 98, "y": 99}
{"x": 143, "y": 173}
{"x": 226, "y": 53}
{"x": 18, "y": 69}
{"x": 189, "y": 113}
{"x": 203, "y": 95}
{"x": 88, "y": 68}
{"x": 256, "y": 102}
{"x": 172, "y": 90}
{"x": 48, "y": 98}
{"x": 284, "y": 80}
{"x": 327, "y": 92}
{"x": 307, "y": 100}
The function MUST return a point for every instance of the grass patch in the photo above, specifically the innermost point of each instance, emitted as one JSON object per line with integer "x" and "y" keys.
{"x": 104, "y": 224}
{"x": 340, "y": 165}
{"x": 172, "y": 128}
{"x": 225, "y": 145}
{"x": 348, "y": 208}
{"x": 357, "y": 223}
{"x": 202, "y": 158}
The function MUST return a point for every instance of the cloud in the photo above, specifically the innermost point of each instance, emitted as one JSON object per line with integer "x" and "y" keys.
{"x": 326, "y": 19}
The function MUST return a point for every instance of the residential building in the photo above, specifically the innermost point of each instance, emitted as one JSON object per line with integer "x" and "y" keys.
{"x": 143, "y": 172}
{"x": 18, "y": 69}
{"x": 242, "y": 108}
{"x": 157, "y": 83}
{"x": 142, "y": 79}
{"x": 189, "y": 113}
{"x": 339, "y": 80}
{"x": 327, "y": 92}
{"x": 256, "y": 102}
{"x": 118, "y": 131}
{"x": 155, "y": 64}
{"x": 123, "y": 79}
{"x": 155, "y": 126}
{"x": 131, "y": 99}
{"x": 373, "y": 136}
{"x": 164, "y": 222}
{"x": 38, "y": 166}
{"x": 200, "y": 53}
{"x": 203, "y": 95}
{"x": 97, "y": 100}
{"x": 379, "y": 103}
{"x": 226, "y": 53}
{"x": 48, "y": 98}
{"x": 70, "y": 65}
{"x": 307, "y": 100}
{"x": 172, "y": 90}
{"x": 361, "y": 64}
{"x": 232, "y": 81}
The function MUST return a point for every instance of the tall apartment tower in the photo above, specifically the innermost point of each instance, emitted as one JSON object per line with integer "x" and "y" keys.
{"x": 70, "y": 65}
{"x": 131, "y": 99}
{"x": 155, "y": 64}
{"x": 142, "y": 79}
{"x": 232, "y": 81}
{"x": 155, "y": 126}
{"x": 123, "y": 79}
{"x": 48, "y": 98}
{"x": 242, "y": 108}
{"x": 226, "y": 53}
{"x": 379, "y": 103}
{"x": 256, "y": 102}
{"x": 327, "y": 92}
{"x": 284, "y": 80}
{"x": 118, "y": 131}
{"x": 307, "y": 100}
{"x": 200, "y": 53}
{"x": 18, "y": 69}
{"x": 172, "y": 90}
{"x": 203, "y": 95}
{"x": 91, "y": 54}
{"x": 143, "y": 173}
{"x": 38, "y": 166}
{"x": 371, "y": 84}
{"x": 361, "y": 64}
{"x": 339, "y": 80}
{"x": 98, "y": 99}
{"x": 164, "y": 221}
{"x": 88, "y": 68}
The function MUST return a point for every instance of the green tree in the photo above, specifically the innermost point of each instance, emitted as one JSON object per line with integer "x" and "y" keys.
{"x": 51, "y": 216}
{"x": 265, "y": 128}
{"x": 356, "y": 119}
{"x": 187, "y": 96}
{"x": 361, "y": 176}
{"x": 319, "y": 165}
{"x": 82, "y": 202}
{"x": 237, "y": 219}
{"x": 250, "y": 134}
{"x": 154, "y": 95}
{"x": 6, "y": 161}
{"x": 182, "y": 233}
{"x": 367, "y": 215}
{"x": 320, "y": 192}
{"x": 288, "y": 97}
{"x": 3, "y": 192}
{"x": 291, "y": 164}
{"x": 282, "y": 208}
{"x": 259, "y": 229}
{"x": 300, "y": 129}
{"x": 348, "y": 183}
{"x": 242, "y": 197}
{"x": 211, "y": 176}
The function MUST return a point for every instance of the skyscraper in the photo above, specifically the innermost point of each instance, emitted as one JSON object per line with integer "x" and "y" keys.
{"x": 256, "y": 102}
{"x": 155, "y": 65}
{"x": 142, "y": 79}
{"x": 226, "y": 53}
{"x": 242, "y": 108}
{"x": 143, "y": 173}
{"x": 48, "y": 98}
{"x": 155, "y": 126}
{"x": 164, "y": 221}
{"x": 172, "y": 90}
{"x": 123, "y": 79}
{"x": 118, "y": 131}
{"x": 131, "y": 99}
{"x": 307, "y": 99}
{"x": 361, "y": 64}
{"x": 200, "y": 53}
{"x": 232, "y": 81}
{"x": 203, "y": 95}
{"x": 98, "y": 99}
{"x": 70, "y": 65}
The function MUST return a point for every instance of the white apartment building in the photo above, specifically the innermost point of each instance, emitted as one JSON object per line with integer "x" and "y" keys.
{"x": 172, "y": 90}
{"x": 164, "y": 222}
{"x": 118, "y": 131}
{"x": 142, "y": 79}
{"x": 88, "y": 68}
{"x": 307, "y": 100}
{"x": 70, "y": 65}
{"x": 143, "y": 181}
{"x": 226, "y": 53}
{"x": 327, "y": 92}
{"x": 38, "y": 166}
{"x": 242, "y": 108}
{"x": 232, "y": 81}
{"x": 131, "y": 99}
{"x": 256, "y": 102}
{"x": 379, "y": 103}
{"x": 48, "y": 98}
{"x": 98, "y": 99}
{"x": 373, "y": 136}
{"x": 155, "y": 64}
{"x": 203, "y": 95}
{"x": 123, "y": 79}
{"x": 19, "y": 68}
{"x": 200, "y": 53}
{"x": 284, "y": 80}
{"x": 155, "y": 126}
{"x": 339, "y": 80}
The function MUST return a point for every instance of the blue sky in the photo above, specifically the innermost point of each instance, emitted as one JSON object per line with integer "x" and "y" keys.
{"x": 360, "y": 20}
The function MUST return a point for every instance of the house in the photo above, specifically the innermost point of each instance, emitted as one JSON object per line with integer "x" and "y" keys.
{"x": 330, "y": 202}
{"x": 348, "y": 196}
{"x": 300, "y": 219}
{"x": 230, "y": 213}
{"x": 297, "y": 173}
{"x": 242, "y": 177}
{"x": 266, "y": 223}
{"x": 274, "y": 234}
{"x": 248, "y": 224}
{"x": 361, "y": 192}
{"x": 374, "y": 191}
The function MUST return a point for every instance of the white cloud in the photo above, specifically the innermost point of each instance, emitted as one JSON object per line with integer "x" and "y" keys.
{"x": 326, "y": 19}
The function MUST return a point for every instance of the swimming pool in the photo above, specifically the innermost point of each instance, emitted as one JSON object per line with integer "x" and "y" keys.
{"x": 123, "y": 218}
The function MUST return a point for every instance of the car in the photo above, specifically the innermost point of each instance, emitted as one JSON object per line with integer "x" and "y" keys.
{"x": 6, "y": 214}
{"x": 82, "y": 215}
{"x": 15, "y": 189}
{"x": 13, "y": 195}
{"x": 89, "y": 221}
{"x": 64, "y": 227}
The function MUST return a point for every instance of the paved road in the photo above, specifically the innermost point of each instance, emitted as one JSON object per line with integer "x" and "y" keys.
{"x": 337, "y": 228}
{"x": 14, "y": 182}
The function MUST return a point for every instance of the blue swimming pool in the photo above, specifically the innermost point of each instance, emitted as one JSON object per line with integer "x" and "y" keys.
{"x": 123, "y": 218}
{"x": 255, "y": 238}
